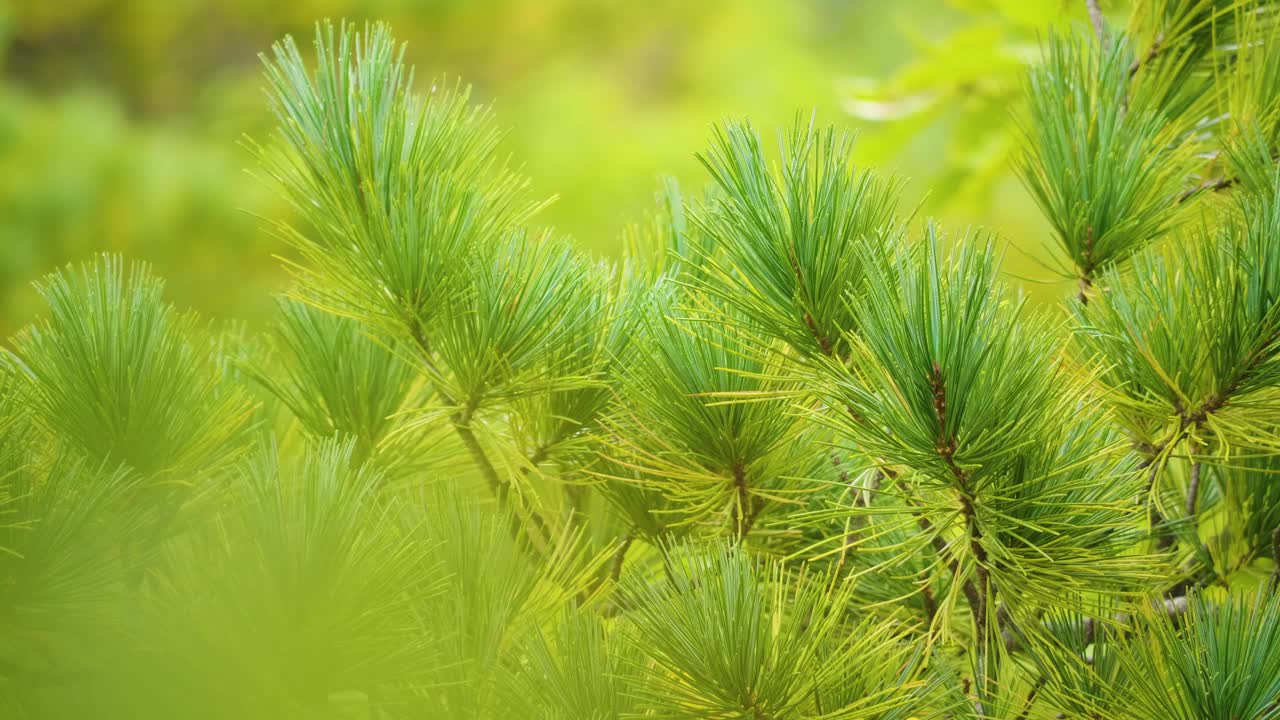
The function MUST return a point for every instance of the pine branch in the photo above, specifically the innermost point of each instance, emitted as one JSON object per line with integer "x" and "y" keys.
{"x": 1152, "y": 53}
{"x": 1096, "y": 19}
{"x": 1086, "y": 267}
{"x": 620, "y": 555}
{"x": 976, "y": 592}
{"x": 970, "y": 590}
{"x": 946, "y": 446}
{"x": 1196, "y": 418}
{"x": 1090, "y": 627}
{"x": 461, "y": 420}
{"x": 1031, "y": 697}
{"x": 1210, "y": 185}
{"x": 1275, "y": 558}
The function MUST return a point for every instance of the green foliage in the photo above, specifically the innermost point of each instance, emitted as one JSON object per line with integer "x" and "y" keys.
{"x": 1176, "y": 669}
{"x": 967, "y": 401}
{"x": 1102, "y": 161}
{"x": 124, "y": 377}
{"x": 59, "y": 527}
{"x": 729, "y": 460}
{"x": 1189, "y": 334}
{"x": 1184, "y": 659}
{"x": 943, "y": 367}
{"x": 581, "y": 668}
{"x": 734, "y": 640}
{"x": 790, "y": 458}
{"x": 494, "y": 601}
{"x": 794, "y": 238}
{"x": 526, "y": 296}
{"x": 306, "y": 591}
{"x": 398, "y": 190}
{"x": 335, "y": 379}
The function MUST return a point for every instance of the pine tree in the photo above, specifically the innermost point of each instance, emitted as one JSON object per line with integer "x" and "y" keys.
{"x": 798, "y": 454}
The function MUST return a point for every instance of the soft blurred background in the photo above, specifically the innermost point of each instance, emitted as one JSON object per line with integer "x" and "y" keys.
{"x": 121, "y": 121}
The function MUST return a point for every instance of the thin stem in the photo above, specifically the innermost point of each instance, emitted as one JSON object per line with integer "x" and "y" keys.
{"x": 1152, "y": 53}
{"x": 1096, "y": 18}
{"x": 1031, "y": 698}
{"x": 620, "y": 556}
{"x": 1086, "y": 268}
{"x": 979, "y": 593}
{"x": 743, "y": 514}
{"x": 1210, "y": 185}
{"x": 461, "y": 422}
{"x": 1275, "y": 556}
{"x": 930, "y": 602}
{"x": 1193, "y": 490}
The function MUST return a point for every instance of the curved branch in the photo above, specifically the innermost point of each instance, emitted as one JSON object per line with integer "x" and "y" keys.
{"x": 461, "y": 422}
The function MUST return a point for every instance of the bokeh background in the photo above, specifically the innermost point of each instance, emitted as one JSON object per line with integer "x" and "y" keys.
{"x": 122, "y": 121}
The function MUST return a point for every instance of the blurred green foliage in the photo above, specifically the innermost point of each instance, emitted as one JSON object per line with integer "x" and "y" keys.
{"x": 120, "y": 120}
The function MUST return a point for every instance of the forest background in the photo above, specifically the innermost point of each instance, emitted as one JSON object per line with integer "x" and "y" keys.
{"x": 121, "y": 120}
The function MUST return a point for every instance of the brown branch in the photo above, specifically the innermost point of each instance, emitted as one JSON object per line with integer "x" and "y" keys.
{"x": 1193, "y": 489}
{"x": 1031, "y": 698}
{"x": 1197, "y": 418}
{"x": 620, "y": 555}
{"x": 1216, "y": 184}
{"x": 1152, "y": 53}
{"x": 1210, "y": 185}
{"x": 1275, "y": 556}
{"x": 1219, "y": 399}
{"x": 930, "y": 602}
{"x": 946, "y": 447}
{"x": 977, "y": 593}
{"x": 1085, "y": 285}
{"x": 1097, "y": 20}
{"x": 461, "y": 422}
{"x": 1086, "y": 268}
{"x": 742, "y": 515}
{"x": 823, "y": 341}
